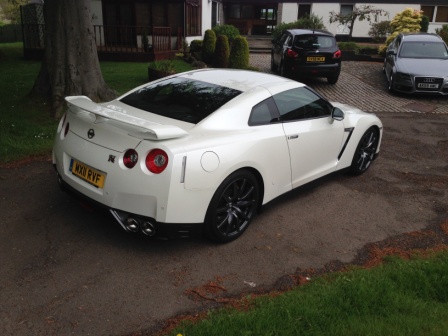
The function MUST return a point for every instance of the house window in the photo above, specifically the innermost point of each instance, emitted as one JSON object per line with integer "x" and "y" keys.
{"x": 235, "y": 12}
{"x": 346, "y": 9}
{"x": 429, "y": 12}
{"x": 442, "y": 14}
{"x": 304, "y": 10}
{"x": 193, "y": 20}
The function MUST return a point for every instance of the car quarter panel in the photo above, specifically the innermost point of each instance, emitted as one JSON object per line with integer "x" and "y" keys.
{"x": 263, "y": 148}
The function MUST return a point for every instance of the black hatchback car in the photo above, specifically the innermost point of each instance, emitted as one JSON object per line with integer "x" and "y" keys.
{"x": 306, "y": 53}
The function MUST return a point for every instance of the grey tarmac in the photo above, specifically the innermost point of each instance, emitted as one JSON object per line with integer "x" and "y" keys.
{"x": 66, "y": 270}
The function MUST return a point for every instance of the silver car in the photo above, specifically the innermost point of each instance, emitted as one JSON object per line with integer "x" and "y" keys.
{"x": 417, "y": 63}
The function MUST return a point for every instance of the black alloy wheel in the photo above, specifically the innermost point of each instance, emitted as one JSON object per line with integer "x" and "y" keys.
{"x": 233, "y": 207}
{"x": 365, "y": 152}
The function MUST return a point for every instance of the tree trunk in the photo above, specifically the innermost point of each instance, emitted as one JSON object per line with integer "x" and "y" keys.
{"x": 70, "y": 65}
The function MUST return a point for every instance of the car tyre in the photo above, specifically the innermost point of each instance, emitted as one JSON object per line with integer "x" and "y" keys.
{"x": 273, "y": 68}
{"x": 365, "y": 151}
{"x": 390, "y": 87}
{"x": 232, "y": 208}
{"x": 332, "y": 79}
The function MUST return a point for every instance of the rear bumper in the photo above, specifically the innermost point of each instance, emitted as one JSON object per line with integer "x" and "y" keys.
{"x": 321, "y": 70}
{"x": 161, "y": 230}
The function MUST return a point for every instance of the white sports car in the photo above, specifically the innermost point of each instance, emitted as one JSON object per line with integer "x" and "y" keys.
{"x": 202, "y": 151}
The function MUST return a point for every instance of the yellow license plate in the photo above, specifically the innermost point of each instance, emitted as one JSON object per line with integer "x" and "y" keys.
{"x": 315, "y": 59}
{"x": 87, "y": 173}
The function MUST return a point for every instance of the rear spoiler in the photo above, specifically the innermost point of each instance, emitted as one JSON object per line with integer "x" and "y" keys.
{"x": 140, "y": 128}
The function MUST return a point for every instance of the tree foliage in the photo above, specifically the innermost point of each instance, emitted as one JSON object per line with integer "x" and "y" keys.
{"x": 407, "y": 21}
{"x": 308, "y": 21}
{"x": 361, "y": 13}
{"x": 10, "y": 10}
{"x": 380, "y": 30}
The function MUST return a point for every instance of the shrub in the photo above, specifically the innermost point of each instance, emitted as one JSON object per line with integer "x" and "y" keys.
{"x": 222, "y": 52}
{"x": 380, "y": 30}
{"x": 239, "y": 53}
{"x": 195, "y": 46}
{"x": 228, "y": 30}
{"x": 406, "y": 21}
{"x": 424, "y": 24}
{"x": 163, "y": 66}
{"x": 349, "y": 46}
{"x": 443, "y": 32}
{"x": 308, "y": 21}
{"x": 208, "y": 46}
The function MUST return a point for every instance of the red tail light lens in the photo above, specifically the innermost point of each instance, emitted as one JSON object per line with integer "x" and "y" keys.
{"x": 291, "y": 53}
{"x": 156, "y": 161}
{"x": 337, "y": 54}
{"x": 130, "y": 158}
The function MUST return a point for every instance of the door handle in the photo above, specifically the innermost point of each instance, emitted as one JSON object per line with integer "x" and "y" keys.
{"x": 292, "y": 137}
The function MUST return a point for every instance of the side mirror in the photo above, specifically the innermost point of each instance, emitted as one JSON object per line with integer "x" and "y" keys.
{"x": 337, "y": 114}
{"x": 391, "y": 53}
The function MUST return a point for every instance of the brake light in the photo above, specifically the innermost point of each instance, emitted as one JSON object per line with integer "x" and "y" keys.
{"x": 130, "y": 158}
{"x": 156, "y": 161}
{"x": 337, "y": 54}
{"x": 291, "y": 53}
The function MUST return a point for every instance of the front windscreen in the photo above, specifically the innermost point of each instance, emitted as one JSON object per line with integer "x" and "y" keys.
{"x": 181, "y": 99}
{"x": 423, "y": 50}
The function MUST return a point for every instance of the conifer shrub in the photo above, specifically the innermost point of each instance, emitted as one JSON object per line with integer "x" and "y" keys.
{"x": 208, "y": 46}
{"x": 239, "y": 53}
{"x": 228, "y": 30}
{"x": 222, "y": 52}
{"x": 443, "y": 32}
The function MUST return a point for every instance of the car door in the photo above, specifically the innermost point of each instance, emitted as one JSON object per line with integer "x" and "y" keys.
{"x": 278, "y": 49}
{"x": 391, "y": 55}
{"x": 314, "y": 138}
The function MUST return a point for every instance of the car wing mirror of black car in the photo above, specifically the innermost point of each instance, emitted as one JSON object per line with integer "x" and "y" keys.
{"x": 337, "y": 114}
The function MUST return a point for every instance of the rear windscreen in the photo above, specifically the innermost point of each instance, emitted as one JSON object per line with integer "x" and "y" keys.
{"x": 181, "y": 99}
{"x": 314, "y": 41}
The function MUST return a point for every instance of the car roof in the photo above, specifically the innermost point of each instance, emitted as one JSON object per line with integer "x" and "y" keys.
{"x": 426, "y": 37}
{"x": 242, "y": 80}
{"x": 310, "y": 31}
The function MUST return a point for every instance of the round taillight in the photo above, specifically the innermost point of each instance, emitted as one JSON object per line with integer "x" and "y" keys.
{"x": 156, "y": 161}
{"x": 130, "y": 158}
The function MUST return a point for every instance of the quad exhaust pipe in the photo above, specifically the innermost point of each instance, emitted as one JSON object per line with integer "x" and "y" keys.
{"x": 132, "y": 223}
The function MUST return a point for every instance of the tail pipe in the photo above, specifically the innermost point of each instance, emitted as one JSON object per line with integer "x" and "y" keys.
{"x": 133, "y": 223}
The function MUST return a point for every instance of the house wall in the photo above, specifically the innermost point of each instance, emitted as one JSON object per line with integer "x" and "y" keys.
{"x": 289, "y": 13}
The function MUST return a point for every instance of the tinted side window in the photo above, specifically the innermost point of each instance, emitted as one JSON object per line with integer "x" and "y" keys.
{"x": 300, "y": 104}
{"x": 264, "y": 113}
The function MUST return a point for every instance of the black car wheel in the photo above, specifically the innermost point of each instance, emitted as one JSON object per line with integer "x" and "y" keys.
{"x": 233, "y": 207}
{"x": 365, "y": 152}
{"x": 282, "y": 70}
{"x": 273, "y": 68}
{"x": 332, "y": 79}
{"x": 390, "y": 87}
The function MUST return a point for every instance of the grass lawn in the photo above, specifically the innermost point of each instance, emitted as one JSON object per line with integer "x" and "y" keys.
{"x": 26, "y": 130}
{"x": 398, "y": 298}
